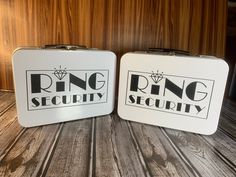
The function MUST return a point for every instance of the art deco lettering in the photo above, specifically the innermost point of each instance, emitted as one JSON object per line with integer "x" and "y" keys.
{"x": 64, "y": 87}
{"x": 169, "y": 93}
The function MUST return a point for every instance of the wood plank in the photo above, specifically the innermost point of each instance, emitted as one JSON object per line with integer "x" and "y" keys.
{"x": 227, "y": 119}
{"x": 160, "y": 156}
{"x": 223, "y": 144}
{"x": 229, "y": 108}
{"x": 9, "y": 130}
{"x": 121, "y": 26}
{"x": 6, "y": 99}
{"x": 29, "y": 152}
{"x": 228, "y": 126}
{"x": 200, "y": 155}
{"x": 229, "y": 103}
{"x": 115, "y": 153}
{"x": 229, "y": 113}
{"x": 71, "y": 156}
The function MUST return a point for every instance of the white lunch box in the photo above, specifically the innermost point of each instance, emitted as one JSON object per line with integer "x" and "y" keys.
{"x": 63, "y": 83}
{"x": 179, "y": 92}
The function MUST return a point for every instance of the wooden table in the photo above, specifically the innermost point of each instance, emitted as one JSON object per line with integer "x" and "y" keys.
{"x": 110, "y": 146}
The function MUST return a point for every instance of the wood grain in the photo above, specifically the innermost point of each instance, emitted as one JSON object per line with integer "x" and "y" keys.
{"x": 227, "y": 119}
{"x": 6, "y": 101}
{"x": 229, "y": 103}
{"x": 115, "y": 152}
{"x": 71, "y": 156}
{"x": 228, "y": 125}
{"x": 200, "y": 155}
{"x": 110, "y": 146}
{"x": 198, "y": 26}
{"x": 8, "y": 123}
{"x": 30, "y": 151}
{"x": 160, "y": 156}
{"x": 223, "y": 144}
{"x": 229, "y": 110}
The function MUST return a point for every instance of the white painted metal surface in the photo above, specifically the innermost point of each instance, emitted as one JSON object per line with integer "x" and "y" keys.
{"x": 54, "y": 85}
{"x": 179, "y": 92}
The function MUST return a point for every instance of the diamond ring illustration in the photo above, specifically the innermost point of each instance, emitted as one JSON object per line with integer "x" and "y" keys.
{"x": 60, "y": 73}
{"x": 156, "y": 77}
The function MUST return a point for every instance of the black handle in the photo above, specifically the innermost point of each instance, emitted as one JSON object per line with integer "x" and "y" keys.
{"x": 64, "y": 46}
{"x": 167, "y": 51}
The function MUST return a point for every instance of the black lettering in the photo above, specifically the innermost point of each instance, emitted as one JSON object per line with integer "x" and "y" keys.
{"x": 187, "y": 108}
{"x": 134, "y": 86}
{"x": 36, "y": 83}
{"x": 100, "y": 95}
{"x": 54, "y": 100}
{"x": 147, "y": 101}
{"x": 131, "y": 99}
{"x": 199, "y": 109}
{"x": 44, "y": 101}
{"x": 65, "y": 99}
{"x": 77, "y": 81}
{"x": 157, "y": 103}
{"x": 178, "y": 91}
{"x": 60, "y": 86}
{"x": 155, "y": 89}
{"x": 191, "y": 91}
{"x": 84, "y": 97}
{"x": 93, "y": 81}
{"x": 91, "y": 97}
{"x": 76, "y": 98}
{"x": 139, "y": 100}
{"x": 170, "y": 105}
{"x": 35, "y": 102}
{"x": 179, "y": 105}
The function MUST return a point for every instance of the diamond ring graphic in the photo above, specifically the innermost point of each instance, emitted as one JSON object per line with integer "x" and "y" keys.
{"x": 156, "y": 77}
{"x": 60, "y": 73}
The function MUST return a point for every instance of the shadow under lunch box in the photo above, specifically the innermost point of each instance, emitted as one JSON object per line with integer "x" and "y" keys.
{"x": 171, "y": 90}
{"x": 62, "y": 83}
